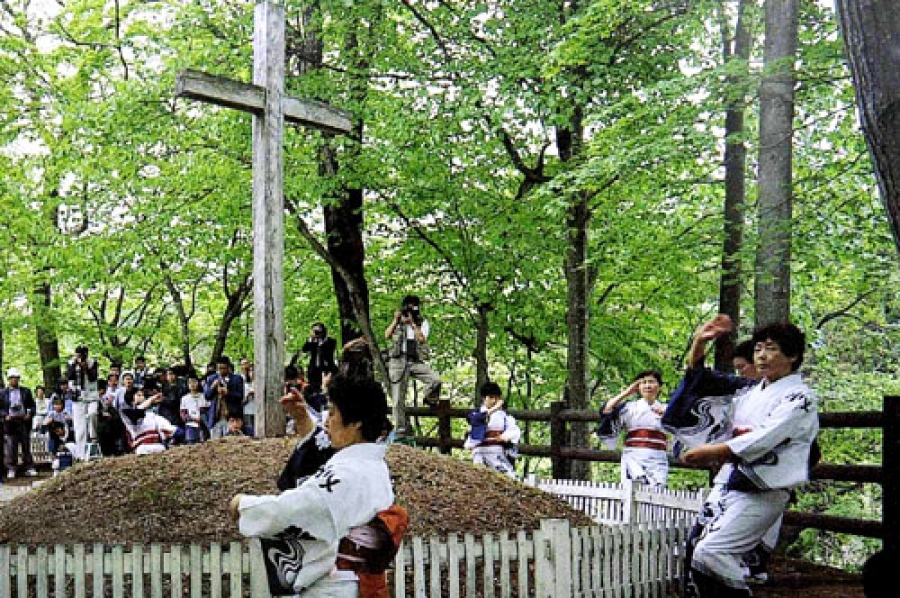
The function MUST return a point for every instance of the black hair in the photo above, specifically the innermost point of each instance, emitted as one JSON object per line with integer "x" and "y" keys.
{"x": 411, "y": 300}
{"x": 223, "y": 359}
{"x": 360, "y": 399}
{"x": 490, "y": 389}
{"x": 790, "y": 339}
{"x": 655, "y": 373}
{"x": 320, "y": 326}
{"x": 291, "y": 372}
{"x": 81, "y": 350}
{"x": 39, "y": 387}
{"x": 744, "y": 350}
{"x": 130, "y": 395}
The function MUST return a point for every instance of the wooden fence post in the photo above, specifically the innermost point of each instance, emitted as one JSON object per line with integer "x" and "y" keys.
{"x": 559, "y": 465}
{"x": 553, "y": 559}
{"x": 890, "y": 466}
{"x": 445, "y": 430}
{"x": 259, "y": 581}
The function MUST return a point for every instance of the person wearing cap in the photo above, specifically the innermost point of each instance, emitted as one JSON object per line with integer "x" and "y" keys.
{"x": 17, "y": 409}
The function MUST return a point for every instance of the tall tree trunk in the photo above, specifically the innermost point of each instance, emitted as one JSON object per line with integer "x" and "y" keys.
{"x": 776, "y": 112}
{"x": 482, "y": 328}
{"x": 871, "y": 30}
{"x": 735, "y": 49}
{"x": 47, "y": 340}
{"x": 569, "y": 141}
{"x": 344, "y": 212}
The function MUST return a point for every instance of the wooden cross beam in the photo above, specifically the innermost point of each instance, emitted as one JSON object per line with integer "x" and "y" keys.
{"x": 270, "y": 108}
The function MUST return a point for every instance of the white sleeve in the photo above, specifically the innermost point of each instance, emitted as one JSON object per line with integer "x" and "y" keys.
{"x": 426, "y": 328}
{"x": 303, "y": 507}
{"x": 512, "y": 431}
{"x": 795, "y": 416}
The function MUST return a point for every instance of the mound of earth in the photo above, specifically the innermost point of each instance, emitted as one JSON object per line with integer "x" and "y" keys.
{"x": 182, "y": 496}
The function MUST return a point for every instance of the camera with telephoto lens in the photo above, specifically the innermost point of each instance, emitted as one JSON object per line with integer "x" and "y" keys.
{"x": 411, "y": 311}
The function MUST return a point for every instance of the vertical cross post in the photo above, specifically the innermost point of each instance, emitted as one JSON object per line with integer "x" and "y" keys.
{"x": 268, "y": 218}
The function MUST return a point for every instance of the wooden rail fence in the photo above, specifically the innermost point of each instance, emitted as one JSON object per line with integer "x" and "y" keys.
{"x": 558, "y": 416}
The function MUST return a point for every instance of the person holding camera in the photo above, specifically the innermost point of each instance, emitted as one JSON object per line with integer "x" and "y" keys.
{"x": 17, "y": 409}
{"x": 321, "y": 350}
{"x": 82, "y": 374}
{"x": 225, "y": 393}
{"x": 408, "y": 332}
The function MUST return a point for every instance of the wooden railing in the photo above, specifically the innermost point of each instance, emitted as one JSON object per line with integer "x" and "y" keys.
{"x": 554, "y": 561}
{"x": 559, "y": 416}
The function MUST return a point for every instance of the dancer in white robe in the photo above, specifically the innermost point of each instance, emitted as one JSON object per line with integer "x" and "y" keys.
{"x": 761, "y": 435}
{"x": 306, "y": 523}
{"x": 644, "y": 456}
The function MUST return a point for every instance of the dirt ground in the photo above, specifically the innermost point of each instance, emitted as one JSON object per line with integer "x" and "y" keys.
{"x": 791, "y": 578}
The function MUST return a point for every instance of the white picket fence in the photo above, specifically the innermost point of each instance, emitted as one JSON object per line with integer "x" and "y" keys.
{"x": 555, "y": 561}
{"x": 625, "y": 503}
{"x": 636, "y": 551}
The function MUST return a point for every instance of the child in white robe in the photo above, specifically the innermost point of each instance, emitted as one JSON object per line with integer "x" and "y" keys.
{"x": 494, "y": 434}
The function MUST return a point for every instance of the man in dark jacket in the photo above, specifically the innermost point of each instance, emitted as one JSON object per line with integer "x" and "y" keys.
{"x": 225, "y": 392}
{"x": 321, "y": 348}
{"x": 17, "y": 409}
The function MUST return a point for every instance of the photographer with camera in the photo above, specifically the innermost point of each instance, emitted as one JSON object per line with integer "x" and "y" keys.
{"x": 321, "y": 350}
{"x": 225, "y": 393}
{"x": 408, "y": 332}
{"x": 82, "y": 375}
{"x": 17, "y": 409}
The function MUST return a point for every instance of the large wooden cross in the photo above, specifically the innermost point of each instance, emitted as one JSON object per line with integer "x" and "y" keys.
{"x": 270, "y": 108}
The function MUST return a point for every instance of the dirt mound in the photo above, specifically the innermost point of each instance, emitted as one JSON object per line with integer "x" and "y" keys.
{"x": 182, "y": 495}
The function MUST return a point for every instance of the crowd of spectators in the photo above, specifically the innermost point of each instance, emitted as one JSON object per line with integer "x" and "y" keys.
{"x": 86, "y": 414}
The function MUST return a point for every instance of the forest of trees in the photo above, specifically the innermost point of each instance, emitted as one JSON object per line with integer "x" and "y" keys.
{"x": 570, "y": 186}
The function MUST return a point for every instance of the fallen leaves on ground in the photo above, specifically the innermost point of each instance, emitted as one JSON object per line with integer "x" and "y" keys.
{"x": 182, "y": 496}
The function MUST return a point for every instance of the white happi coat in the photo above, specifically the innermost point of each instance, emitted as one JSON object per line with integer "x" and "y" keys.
{"x": 776, "y": 425}
{"x": 783, "y": 421}
{"x": 348, "y": 491}
{"x": 646, "y": 465}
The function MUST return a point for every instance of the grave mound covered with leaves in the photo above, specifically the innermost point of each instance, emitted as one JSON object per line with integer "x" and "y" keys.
{"x": 182, "y": 496}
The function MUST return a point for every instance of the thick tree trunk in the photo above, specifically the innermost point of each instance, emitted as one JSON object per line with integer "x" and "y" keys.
{"x": 871, "y": 30}
{"x": 343, "y": 226}
{"x": 237, "y": 304}
{"x": 344, "y": 214}
{"x": 569, "y": 142}
{"x": 776, "y": 108}
{"x": 47, "y": 340}
{"x": 734, "y": 49}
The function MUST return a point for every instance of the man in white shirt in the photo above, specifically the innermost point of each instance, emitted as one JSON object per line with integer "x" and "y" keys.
{"x": 408, "y": 332}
